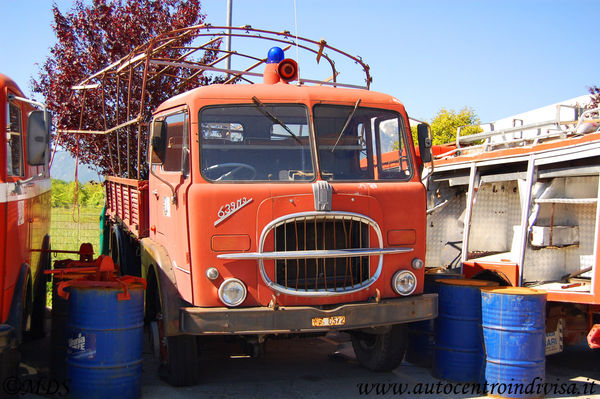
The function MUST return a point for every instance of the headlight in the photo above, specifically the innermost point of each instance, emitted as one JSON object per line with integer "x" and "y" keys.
{"x": 232, "y": 292}
{"x": 404, "y": 282}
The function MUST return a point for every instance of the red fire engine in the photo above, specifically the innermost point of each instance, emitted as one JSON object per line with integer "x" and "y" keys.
{"x": 282, "y": 207}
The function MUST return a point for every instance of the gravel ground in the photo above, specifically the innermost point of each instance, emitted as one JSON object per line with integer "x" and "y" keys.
{"x": 317, "y": 367}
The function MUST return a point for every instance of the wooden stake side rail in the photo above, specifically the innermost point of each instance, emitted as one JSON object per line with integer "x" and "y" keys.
{"x": 127, "y": 204}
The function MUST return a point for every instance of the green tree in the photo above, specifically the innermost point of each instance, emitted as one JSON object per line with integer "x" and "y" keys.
{"x": 89, "y": 195}
{"x": 447, "y": 121}
{"x": 94, "y": 195}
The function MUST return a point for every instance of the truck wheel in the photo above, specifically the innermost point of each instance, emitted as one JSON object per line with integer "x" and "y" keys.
{"x": 38, "y": 312}
{"x": 180, "y": 368}
{"x": 178, "y": 354}
{"x": 114, "y": 248}
{"x": 27, "y": 313}
{"x": 381, "y": 352}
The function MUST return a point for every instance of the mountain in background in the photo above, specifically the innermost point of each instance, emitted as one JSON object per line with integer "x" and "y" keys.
{"x": 63, "y": 168}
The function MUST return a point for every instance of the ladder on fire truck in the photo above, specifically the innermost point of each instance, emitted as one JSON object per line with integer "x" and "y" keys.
{"x": 520, "y": 134}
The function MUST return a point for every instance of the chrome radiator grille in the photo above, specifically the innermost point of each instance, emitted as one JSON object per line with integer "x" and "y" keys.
{"x": 319, "y": 237}
{"x": 321, "y": 233}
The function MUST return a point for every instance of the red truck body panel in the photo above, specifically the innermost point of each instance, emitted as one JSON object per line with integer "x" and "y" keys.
{"x": 24, "y": 208}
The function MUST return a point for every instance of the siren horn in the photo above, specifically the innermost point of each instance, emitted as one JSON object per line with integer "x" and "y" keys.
{"x": 287, "y": 70}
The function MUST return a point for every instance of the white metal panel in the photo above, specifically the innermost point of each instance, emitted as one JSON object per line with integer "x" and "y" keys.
{"x": 494, "y": 214}
{"x": 443, "y": 226}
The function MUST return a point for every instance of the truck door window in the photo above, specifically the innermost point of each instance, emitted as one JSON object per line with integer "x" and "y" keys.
{"x": 372, "y": 147}
{"x": 14, "y": 144}
{"x": 175, "y": 142}
{"x": 248, "y": 143}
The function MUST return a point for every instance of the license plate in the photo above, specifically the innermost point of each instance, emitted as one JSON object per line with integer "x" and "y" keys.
{"x": 554, "y": 339}
{"x": 328, "y": 321}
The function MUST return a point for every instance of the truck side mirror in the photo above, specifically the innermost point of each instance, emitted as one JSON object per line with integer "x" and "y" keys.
{"x": 157, "y": 143}
{"x": 38, "y": 137}
{"x": 424, "y": 142}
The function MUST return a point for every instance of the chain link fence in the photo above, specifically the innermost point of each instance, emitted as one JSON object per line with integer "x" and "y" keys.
{"x": 70, "y": 227}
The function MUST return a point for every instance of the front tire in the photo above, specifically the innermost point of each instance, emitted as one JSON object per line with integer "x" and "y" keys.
{"x": 178, "y": 354}
{"x": 180, "y": 368}
{"x": 383, "y": 351}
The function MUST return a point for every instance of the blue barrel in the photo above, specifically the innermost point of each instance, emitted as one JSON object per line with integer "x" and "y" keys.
{"x": 458, "y": 352}
{"x": 421, "y": 334}
{"x": 514, "y": 331}
{"x": 104, "y": 339}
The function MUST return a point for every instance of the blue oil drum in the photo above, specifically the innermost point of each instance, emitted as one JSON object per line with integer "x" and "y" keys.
{"x": 514, "y": 329}
{"x": 104, "y": 338}
{"x": 458, "y": 354}
{"x": 421, "y": 334}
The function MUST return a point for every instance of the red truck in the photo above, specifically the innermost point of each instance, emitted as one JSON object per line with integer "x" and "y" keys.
{"x": 282, "y": 207}
{"x": 25, "y": 212}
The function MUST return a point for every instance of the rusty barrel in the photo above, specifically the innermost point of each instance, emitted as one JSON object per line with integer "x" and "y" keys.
{"x": 421, "y": 334}
{"x": 458, "y": 352}
{"x": 514, "y": 331}
{"x": 104, "y": 338}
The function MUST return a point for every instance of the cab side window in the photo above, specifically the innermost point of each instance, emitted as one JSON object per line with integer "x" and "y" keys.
{"x": 175, "y": 142}
{"x": 14, "y": 143}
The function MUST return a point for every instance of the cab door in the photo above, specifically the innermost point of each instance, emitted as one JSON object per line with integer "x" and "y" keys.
{"x": 169, "y": 182}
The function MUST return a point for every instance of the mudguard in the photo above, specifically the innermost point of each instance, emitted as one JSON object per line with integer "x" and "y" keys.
{"x": 155, "y": 254}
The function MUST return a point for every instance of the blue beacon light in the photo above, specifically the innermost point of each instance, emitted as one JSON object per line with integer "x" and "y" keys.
{"x": 275, "y": 55}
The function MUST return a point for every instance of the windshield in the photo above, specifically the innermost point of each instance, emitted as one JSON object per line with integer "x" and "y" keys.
{"x": 256, "y": 142}
{"x": 355, "y": 143}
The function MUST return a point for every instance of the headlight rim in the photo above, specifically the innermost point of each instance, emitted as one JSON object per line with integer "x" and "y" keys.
{"x": 229, "y": 281}
{"x": 396, "y": 276}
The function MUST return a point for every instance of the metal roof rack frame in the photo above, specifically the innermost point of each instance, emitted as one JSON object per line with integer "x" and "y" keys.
{"x": 180, "y": 57}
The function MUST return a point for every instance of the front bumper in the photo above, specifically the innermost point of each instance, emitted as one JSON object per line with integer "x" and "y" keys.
{"x": 299, "y": 319}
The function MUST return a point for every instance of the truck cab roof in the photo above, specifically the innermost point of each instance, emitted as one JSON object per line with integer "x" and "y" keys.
{"x": 279, "y": 92}
{"x": 6, "y": 82}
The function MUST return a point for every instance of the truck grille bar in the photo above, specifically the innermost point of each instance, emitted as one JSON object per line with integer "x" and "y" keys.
{"x": 323, "y": 271}
{"x": 320, "y": 253}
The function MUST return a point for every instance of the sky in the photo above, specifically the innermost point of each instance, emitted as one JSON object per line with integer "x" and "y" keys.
{"x": 498, "y": 57}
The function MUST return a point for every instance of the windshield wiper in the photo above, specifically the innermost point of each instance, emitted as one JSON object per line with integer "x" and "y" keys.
{"x": 348, "y": 119}
{"x": 265, "y": 111}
